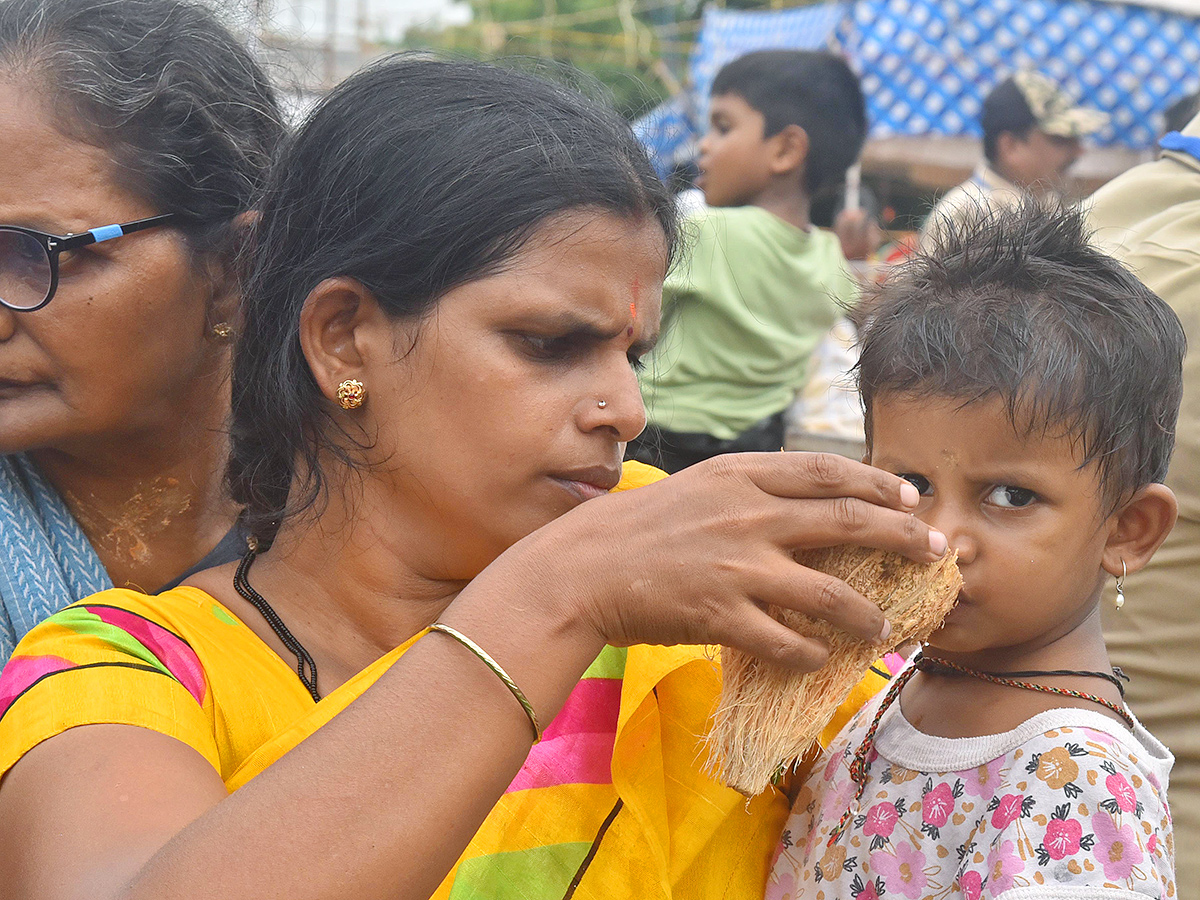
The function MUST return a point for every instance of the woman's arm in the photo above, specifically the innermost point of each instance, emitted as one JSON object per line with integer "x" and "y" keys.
{"x": 381, "y": 801}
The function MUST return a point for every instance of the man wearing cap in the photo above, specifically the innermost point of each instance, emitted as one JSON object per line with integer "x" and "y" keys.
{"x": 1149, "y": 218}
{"x": 1031, "y": 137}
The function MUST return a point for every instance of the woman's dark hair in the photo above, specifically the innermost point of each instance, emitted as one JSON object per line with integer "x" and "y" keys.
{"x": 1017, "y": 304}
{"x": 414, "y": 176}
{"x": 814, "y": 89}
{"x": 188, "y": 117}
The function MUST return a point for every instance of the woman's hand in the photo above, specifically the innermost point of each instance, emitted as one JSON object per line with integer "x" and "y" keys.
{"x": 695, "y": 558}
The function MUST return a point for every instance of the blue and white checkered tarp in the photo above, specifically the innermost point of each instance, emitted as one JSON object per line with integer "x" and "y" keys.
{"x": 668, "y": 134}
{"x": 926, "y": 65}
{"x": 727, "y": 34}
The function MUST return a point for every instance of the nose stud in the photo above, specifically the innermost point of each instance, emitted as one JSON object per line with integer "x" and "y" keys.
{"x": 602, "y": 403}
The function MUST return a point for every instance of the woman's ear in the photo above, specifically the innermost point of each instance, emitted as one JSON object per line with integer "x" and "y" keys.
{"x": 1139, "y": 528}
{"x": 342, "y": 332}
{"x": 790, "y": 151}
{"x": 223, "y": 318}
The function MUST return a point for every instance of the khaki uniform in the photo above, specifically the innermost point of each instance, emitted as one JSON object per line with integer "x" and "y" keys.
{"x": 1150, "y": 218}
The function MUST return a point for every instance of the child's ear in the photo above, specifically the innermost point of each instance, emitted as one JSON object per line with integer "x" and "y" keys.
{"x": 1139, "y": 528}
{"x": 791, "y": 150}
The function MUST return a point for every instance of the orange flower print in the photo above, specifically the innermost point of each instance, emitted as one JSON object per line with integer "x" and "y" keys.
{"x": 831, "y": 862}
{"x": 901, "y": 774}
{"x": 1056, "y": 768}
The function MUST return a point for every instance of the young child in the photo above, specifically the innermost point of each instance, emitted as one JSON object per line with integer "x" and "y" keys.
{"x": 758, "y": 287}
{"x": 1028, "y": 386}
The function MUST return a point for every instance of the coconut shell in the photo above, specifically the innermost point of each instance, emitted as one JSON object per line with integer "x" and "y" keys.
{"x": 769, "y": 716}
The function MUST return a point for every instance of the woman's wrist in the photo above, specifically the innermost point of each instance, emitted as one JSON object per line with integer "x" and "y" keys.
{"x": 519, "y": 612}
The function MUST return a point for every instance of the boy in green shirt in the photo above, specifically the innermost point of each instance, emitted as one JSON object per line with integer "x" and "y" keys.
{"x": 759, "y": 286}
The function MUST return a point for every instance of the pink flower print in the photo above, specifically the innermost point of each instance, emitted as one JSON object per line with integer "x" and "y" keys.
{"x": 983, "y": 781}
{"x": 1099, "y": 736}
{"x": 903, "y": 871}
{"x": 1122, "y": 791}
{"x": 1153, "y": 779}
{"x": 781, "y": 888}
{"x": 1062, "y": 838}
{"x": 937, "y": 805}
{"x": 881, "y": 819}
{"x": 870, "y": 892}
{"x": 832, "y": 765}
{"x": 1008, "y": 811}
{"x": 1004, "y": 865}
{"x": 1152, "y": 844}
{"x": 1116, "y": 848}
{"x": 971, "y": 884}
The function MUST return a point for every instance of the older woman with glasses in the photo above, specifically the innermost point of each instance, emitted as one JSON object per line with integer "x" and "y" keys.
{"x": 133, "y": 135}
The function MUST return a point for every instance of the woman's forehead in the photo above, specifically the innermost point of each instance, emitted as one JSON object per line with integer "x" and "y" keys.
{"x": 50, "y": 180}
{"x": 594, "y": 270}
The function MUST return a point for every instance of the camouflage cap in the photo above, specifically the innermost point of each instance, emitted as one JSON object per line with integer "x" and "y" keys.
{"x": 1053, "y": 110}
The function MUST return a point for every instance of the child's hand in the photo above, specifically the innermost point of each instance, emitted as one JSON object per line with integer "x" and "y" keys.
{"x": 858, "y": 232}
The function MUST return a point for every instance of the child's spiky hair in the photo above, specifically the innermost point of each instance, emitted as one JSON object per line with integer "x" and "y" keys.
{"x": 1016, "y": 303}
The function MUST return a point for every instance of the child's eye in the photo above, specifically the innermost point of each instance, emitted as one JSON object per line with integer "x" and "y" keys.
{"x": 920, "y": 482}
{"x": 1010, "y": 497}
{"x": 636, "y": 362}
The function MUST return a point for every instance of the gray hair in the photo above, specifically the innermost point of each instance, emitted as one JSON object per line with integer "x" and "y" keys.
{"x": 189, "y": 118}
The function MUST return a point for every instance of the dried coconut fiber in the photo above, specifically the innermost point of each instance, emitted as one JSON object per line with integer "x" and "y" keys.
{"x": 769, "y": 716}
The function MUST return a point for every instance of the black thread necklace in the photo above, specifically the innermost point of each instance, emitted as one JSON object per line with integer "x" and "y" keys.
{"x": 306, "y": 669}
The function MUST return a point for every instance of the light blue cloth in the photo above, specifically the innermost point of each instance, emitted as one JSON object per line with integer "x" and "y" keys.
{"x": 46, "y": 562}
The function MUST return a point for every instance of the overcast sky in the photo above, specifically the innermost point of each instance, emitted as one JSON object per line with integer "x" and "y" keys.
{"x": 385, "y": 19}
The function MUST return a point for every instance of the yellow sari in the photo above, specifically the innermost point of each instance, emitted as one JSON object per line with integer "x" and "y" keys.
{"x": 612, "y": 803}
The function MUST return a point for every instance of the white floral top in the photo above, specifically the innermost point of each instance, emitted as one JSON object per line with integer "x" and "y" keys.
{"x": 1069, "y": 805}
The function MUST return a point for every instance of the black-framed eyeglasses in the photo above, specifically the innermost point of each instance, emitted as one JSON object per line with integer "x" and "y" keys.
{"x": 29, "y": 258}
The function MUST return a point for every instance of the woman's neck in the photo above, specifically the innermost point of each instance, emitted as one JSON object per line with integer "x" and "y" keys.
{"x": 152, "y": 504}
{"x": 347, "y": 589}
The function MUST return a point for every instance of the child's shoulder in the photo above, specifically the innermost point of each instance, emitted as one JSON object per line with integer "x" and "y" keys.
{"x": 750, "y": 230}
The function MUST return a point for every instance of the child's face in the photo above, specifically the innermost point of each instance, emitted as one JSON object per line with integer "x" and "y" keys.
{"x": 1029, "y": 525}
{"x": 735, "y": 156}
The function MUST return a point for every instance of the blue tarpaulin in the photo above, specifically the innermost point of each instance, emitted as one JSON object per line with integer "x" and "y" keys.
{"x": 926, "y": 65}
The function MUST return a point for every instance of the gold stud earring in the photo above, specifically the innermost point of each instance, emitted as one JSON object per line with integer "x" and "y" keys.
{"x": 1120, "y": 587}
{"x": 222, "y": 331}
{"x": 351, "y": 393}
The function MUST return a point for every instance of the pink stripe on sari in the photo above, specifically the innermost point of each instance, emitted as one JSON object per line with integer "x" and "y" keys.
{"x": 577, "y": 746}
{"x": 22, "y": 671}
{"x": 173, "y": 652}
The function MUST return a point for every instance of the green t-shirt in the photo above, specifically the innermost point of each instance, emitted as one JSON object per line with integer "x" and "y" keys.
{"x": 743, "y": 310}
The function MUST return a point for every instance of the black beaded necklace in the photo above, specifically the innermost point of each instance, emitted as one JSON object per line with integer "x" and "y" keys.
{"x": 306, "y": 669}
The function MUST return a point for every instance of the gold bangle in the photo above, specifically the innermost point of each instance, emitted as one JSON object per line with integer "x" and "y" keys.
{"x": 497, "y": 670}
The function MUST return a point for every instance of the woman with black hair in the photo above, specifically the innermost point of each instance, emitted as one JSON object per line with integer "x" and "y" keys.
{"x": 457, "y": 270}
{"x": 133, "y": 135}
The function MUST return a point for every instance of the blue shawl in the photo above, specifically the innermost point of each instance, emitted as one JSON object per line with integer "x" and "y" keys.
{"x": 46, "y": 562}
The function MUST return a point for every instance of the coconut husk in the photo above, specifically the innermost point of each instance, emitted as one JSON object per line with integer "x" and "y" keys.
{"x": 769, "y": 716}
